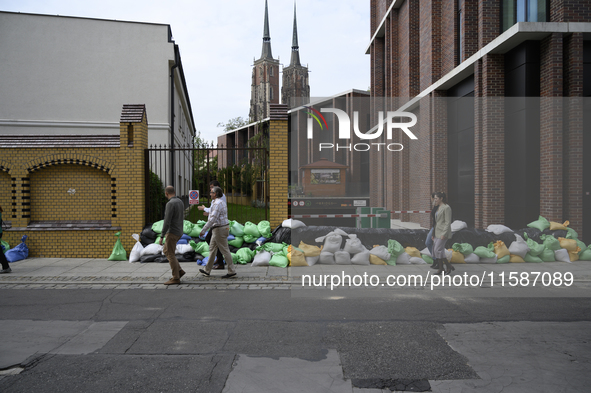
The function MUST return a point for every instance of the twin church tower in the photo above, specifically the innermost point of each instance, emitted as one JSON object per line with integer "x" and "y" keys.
{"x": 265, "y": 77}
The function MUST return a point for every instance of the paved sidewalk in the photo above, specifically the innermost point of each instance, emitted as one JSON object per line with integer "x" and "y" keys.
{"x": 56, "y": 273}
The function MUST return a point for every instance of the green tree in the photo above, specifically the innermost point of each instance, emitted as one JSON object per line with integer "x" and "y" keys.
{"x": 234, "y": 123}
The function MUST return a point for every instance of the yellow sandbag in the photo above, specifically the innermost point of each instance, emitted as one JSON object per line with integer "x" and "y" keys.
{"x": 413, "y": 252}
{"x": 574, "y": 254}
{"x": 457, "y": 257}
{"x": 309, "y": 250}
{"x": 297, "y": 258}
{"x": 555, "y": 226}
{"x": 376, "y": 260}
{"x": 516, "y": 259}
{"x": 569, "y": 244}
{"x": 501, "y": 249}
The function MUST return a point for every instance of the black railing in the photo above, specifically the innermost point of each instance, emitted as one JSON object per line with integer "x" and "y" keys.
{"x": 241, "y": 171}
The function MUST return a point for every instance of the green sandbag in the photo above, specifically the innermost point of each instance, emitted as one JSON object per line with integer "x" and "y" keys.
{"x": 540, "y": 224}
{"x": 272, "y": 247}
{"x": 585, "y": 255}
{"x": 157, "y": 226}
{"x": 252, "y": 230}
{"x": 572, "y": 233}
{"x": 505, "y": 259}
{"x": 237, "y": 242}
{"x": 580, "y": 244}
{"x": 6, "y": 245}
{"x": 279, "y": 260}
{"x": 532, "y": 258}
{"x": 395, "y": 249}
{"x": 464, "y": 248}
{"x": 547, "y": 255}
{"x": 118, "y": 253}
{"x": 484, "y": 252}
{"x": 550, "y": 242}
{"x": 200, "y": 248}
{"x": 236, "y": 229}
{"x": 196, "y": 232}
{"x": 427, "y": 259}
{"x": 187, "y": 227}
{"x": 264, "y": 228}
{"x": 250, "y": 238}
{"x": 244, "y": 255}
{"x": 535, "y": 248}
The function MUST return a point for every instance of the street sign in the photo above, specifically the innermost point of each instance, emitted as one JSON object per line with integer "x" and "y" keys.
{"x": 193, "y": 197}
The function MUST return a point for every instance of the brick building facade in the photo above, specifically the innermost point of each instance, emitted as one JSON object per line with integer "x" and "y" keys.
{"x": 499, "y": 88}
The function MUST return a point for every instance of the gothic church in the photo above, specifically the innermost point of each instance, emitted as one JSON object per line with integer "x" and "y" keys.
{"x": 265, "y": 77}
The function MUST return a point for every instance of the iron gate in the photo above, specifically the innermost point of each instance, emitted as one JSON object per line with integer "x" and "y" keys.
{"x": 241, "y": 171}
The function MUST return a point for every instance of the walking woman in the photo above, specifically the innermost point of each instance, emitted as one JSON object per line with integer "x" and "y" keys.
{"x": 441, "y": 233}
{"x": 429, "y": 240}
{"x": 5, "y": 267}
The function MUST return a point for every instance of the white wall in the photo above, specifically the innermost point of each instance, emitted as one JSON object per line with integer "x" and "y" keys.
{"x": 71, "y": 75}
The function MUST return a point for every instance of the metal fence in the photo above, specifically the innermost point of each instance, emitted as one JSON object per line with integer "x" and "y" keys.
{"x": 241, "y": 171}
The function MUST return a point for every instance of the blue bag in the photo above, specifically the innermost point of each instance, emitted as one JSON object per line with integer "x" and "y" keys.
{"x": 21, "y": 251}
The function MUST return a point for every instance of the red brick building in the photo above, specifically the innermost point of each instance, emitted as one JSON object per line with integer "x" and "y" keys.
{"x": 501, "y": 91}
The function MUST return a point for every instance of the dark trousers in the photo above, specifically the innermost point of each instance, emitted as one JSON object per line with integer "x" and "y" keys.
{"x": 219, "y": 257}
{"x": 3, "y": 259}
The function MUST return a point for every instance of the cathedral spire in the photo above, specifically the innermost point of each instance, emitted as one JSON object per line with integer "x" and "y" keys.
{"x": 295, "y": 48}
{"x": 266, "y": 53}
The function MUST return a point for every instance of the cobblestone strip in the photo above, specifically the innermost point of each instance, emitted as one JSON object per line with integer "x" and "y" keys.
{"x": 127, "y": 282}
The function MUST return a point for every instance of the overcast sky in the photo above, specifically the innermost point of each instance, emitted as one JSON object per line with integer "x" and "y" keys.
{"x": 218, "y": 41}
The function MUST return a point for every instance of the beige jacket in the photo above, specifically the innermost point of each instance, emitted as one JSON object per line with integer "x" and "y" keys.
{"x": 443, "y": 222}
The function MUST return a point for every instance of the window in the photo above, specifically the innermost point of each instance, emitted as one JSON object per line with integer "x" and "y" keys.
{"x": 271, "y": 71}
{"x": 513, "y": 11}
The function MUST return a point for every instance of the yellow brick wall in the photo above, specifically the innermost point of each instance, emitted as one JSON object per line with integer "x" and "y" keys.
{"x": 6, "y": 195}
{"x": 41, "y": 187}
{"x": 66, "y": 244}
{"x": 278, "y": 171}
{"x": 51, "y": 201}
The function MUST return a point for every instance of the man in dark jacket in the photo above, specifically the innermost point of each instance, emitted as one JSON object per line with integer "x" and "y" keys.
{"x": 173, "y": 230}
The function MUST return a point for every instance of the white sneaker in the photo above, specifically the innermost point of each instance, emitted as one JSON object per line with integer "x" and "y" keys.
{"x": 5, "y": 271}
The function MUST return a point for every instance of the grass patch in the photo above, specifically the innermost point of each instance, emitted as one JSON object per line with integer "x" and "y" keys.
{"x": 236, "y": 212}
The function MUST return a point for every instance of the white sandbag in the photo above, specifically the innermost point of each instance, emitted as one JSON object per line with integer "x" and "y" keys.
{"x": 337, "y": 231}
{"x": 448, "y": 254}
{"x": 519, "y": 247}
{"x": 562, "y": 255}
{"x": 498, "y": 229}
{"x": 361, "y": 258}
{"x": 426, "y": 251}
{"x": 136, "y": 251}
{"x": 458, "y": 225}
{"x": 342, "y": 258}
{"x": 472, "y": 258}
{"x": 488, "y": 260}
{"x": 293, "y": 224}
{"x": 353, "y": 246}
{"x": 311, "y": 261}
{"x": 417, "y": 261}
{"x": 380, "y": 252}
{"x": 183, "y": 248}
{"x": 261, "y": 258}
{"x": 403, "y": 259}
{"x": 332, "y": 244}
{"x": 151, "y": 249}
{"x": 326, "y": 258}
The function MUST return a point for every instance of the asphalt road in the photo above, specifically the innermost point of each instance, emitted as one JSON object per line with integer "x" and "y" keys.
{"x": 190, "y": 341}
